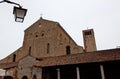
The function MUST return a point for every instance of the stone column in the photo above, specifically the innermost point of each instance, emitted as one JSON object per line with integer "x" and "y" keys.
{"x": 58, "y": 73}
{"x": 38, "y": 73}
{"x": 78, "y": 72}
{"x": 102, "y": 72}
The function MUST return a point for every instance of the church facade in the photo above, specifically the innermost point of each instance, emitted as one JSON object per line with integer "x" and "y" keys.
{"x": 48, "y": 52}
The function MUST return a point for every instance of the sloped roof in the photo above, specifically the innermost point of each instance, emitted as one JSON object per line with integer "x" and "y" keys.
{"x": 39, "y": 22}
{"x": 87, "y": 57}
{"x": 8, "y": 65}
{"x": 13, "y": 64}
{"x": 50, "y": 21}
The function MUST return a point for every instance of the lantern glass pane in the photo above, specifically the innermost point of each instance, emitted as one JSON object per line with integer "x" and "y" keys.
{"x": 19, "y": 20}
{"x": 20, "y": 13}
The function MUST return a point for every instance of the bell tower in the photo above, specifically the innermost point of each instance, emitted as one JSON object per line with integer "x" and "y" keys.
{"x": 89, "y": 40}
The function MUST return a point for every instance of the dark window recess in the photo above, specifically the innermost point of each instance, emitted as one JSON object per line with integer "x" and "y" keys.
{"x": 24, "y": 77}
{"x": 88, "y": 33}
{"x": 34, "y": 77}
{"x": 68, "y": 50}
{"x": 42, "y": 34}
{"x": 30, "y": 50}
{"x": 14, "y": 58}
{"x": 36, "y": 36}
{"x": 39, "y": 59}
{"x": 48, "y": 48}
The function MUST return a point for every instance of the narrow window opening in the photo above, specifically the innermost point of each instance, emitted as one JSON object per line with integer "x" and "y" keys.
{"x": 68, "y": 51}
{"x": 30, "y": 50}
{"x": 42, "y": 34}
{"x": 14, "y": 58}
{"x": 48, "y": 48}
{"x": 88, "y": 33}
{"x": 36, "y": 36}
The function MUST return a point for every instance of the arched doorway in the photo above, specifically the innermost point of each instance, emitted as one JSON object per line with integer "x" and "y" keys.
{"x": 34, "y": 77}
{"x": 24, "y": 77}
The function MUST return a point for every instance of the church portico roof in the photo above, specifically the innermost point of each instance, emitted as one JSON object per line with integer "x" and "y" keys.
{"x": 92, "y": 57}
{"x": 8, "y": 65}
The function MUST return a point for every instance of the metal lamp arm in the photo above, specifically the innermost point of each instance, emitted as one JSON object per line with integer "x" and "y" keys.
{"x": 2, "y": 1}
{"x": 7, "y": 1}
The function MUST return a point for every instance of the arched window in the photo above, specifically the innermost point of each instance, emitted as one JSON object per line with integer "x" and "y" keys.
{"x": 14, "y": 58}
{"x": 68, "y": 51}
{"x": 36, "y": 34}
{"x": 42, "y": 34}
{"x": 30, "y": 50}
{"x": 48, "y": 48}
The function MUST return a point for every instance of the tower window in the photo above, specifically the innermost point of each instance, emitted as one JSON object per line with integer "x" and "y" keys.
{"x": 68, "y": 50}
{"x": 88, "y": 33}
{"x": 48, "y": 48}
{"x": 30, "y": 50}
{"x": 14, "y": 58}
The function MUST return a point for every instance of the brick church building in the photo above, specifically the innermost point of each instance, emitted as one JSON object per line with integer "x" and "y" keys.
{"x": 48, "y": 52}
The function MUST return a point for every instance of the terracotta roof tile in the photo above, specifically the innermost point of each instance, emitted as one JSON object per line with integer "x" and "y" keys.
{"x": 8, "y": 65}
{"x": 87, "y": 57}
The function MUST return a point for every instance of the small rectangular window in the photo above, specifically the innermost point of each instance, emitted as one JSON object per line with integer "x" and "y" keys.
{"x": 14, "y": 58}
{"x": 88, "y": 33}
{"x": 30, "y": 50}
{"x": 48, "y": 48}
{"x": 68, "y": 50}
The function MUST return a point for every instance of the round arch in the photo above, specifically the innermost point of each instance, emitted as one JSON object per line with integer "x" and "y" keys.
{"x": 34, "y": 77}
{"x": 24, "y": 77}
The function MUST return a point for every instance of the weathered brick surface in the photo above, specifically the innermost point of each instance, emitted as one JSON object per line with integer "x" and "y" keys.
{"x": 8, "y": 65}
{"x": 44, "y": 38}
{"x": 38, "y": 36}
{"x": 89, "y": 40}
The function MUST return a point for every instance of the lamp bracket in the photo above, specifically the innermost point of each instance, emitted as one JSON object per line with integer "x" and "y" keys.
{"x": 7, "y": 1}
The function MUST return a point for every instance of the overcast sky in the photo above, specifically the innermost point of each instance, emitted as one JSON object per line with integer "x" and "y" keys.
{"x": 74, "y": 16}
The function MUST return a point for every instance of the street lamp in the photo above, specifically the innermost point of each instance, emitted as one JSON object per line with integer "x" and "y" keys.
{"x": 18, "y": 12}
